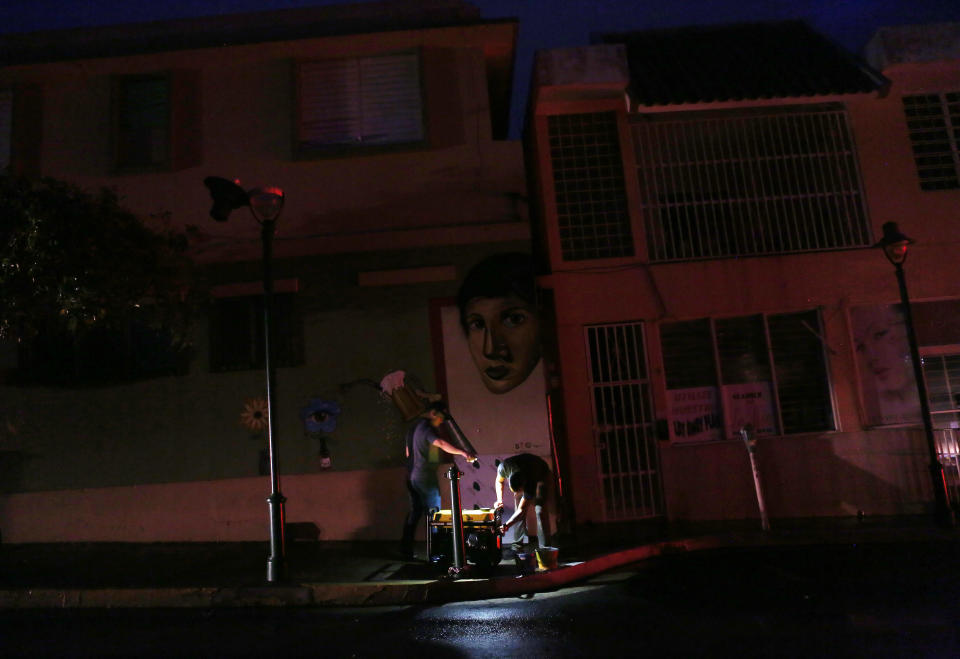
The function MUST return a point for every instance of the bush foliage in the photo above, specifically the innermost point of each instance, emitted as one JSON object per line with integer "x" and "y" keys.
{"x": 74, "y": 260}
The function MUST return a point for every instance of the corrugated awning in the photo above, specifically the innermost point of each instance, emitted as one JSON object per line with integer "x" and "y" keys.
{"x": 740, "y": 62}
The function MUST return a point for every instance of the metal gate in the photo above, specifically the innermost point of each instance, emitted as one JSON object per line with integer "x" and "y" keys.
{"x": 948, "y": 450}
{"x": 623, "y": 423}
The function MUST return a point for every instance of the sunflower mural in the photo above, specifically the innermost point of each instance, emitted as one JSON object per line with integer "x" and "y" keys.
{"x": 319, "y": 418}
{"x": 255, "y": 416}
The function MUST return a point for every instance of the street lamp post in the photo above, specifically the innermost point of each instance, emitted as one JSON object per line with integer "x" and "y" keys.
{"x": 265, "y": 204}
{"x": 894, "y": 245}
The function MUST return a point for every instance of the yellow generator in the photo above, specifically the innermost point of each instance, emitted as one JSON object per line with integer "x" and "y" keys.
{"x": 483, "y": 543}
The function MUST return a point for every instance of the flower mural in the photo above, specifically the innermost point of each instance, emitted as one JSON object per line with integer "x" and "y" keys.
{"x": 255, "y": 415}
{"x": 319, "y": 418}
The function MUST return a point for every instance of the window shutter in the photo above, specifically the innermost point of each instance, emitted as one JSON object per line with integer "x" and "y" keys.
{"x": 6, "y": 127}
{"x": 143, "y": 118}
{"x": 186, "y": 143}
{"x": 361, "y": 101}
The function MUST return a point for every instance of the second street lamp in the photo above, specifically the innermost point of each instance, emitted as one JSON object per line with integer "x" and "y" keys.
{"x": 265, "y": 204}
{"x": 894, "y": 245}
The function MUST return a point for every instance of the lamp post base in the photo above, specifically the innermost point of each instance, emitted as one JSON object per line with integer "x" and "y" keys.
{"x": 276, "y": 562}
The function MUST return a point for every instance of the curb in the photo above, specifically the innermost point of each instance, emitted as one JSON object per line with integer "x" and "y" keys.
{"x": 382, "y": 593}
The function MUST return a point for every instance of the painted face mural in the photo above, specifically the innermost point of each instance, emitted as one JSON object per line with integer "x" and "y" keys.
{"x": 499, "y": 316}
{"x": 504, "y": 339}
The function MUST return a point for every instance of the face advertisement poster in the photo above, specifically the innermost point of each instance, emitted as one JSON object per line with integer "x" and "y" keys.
{"x": 694, "y": 414}
{"x": 884, "y": 366}
{"x": 749, "y": 405}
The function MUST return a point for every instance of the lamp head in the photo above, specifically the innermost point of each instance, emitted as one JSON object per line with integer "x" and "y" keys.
{"x": 894, "y": 244}
{"x": 227, "y": 196}
{"x": 266, "y": 203}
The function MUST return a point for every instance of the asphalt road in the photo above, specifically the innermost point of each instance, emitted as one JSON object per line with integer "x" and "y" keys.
{"x": 839, "y": 601}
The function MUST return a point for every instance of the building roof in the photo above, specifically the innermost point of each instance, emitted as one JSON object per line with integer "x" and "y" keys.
{"x": 236, "y": 29}
{"x": 740, "y": 62}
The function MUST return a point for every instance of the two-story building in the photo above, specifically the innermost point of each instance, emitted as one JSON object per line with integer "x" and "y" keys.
{"x": 386, "y": 127}
{"x": 708, "y": 200}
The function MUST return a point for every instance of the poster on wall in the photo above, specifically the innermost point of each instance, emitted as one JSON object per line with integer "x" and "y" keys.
{"x": 749, "y": 405}
{"x": 884, "y": 366}
{"x": 694, "y": 414}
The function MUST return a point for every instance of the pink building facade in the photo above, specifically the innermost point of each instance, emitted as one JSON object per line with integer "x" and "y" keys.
{"x": 707, "y": 203}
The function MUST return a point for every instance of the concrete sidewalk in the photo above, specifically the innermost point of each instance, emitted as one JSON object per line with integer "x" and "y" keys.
{"x": 200, "y": 575}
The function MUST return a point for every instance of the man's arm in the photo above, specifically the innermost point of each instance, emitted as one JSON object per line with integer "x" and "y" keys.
{"x": 498, "y": 488}
{"x": 517, "y": 514}
{"x": 446, "y": 446}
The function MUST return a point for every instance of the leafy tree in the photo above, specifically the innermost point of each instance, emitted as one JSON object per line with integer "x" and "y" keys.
{"x": 74, "y": 263}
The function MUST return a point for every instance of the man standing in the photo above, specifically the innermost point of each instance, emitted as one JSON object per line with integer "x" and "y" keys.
{"x": 422, "y": 486}
{"x": 524, "y": 474}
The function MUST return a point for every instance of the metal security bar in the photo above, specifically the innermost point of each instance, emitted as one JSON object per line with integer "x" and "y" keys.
{"x": 934, "y": 124}
{"x": 948, "y": 448}
{"x": 588, "y": 180}
{"x": 729, "y": 184}
{"x": 623, "y": 424}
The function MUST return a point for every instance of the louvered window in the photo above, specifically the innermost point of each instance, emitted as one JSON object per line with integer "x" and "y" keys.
{"x": 934, "y": 124}
{"x": 6, "y": 127}
{"x": 143, "y": 122}
{"x": 767, "y": 372}
{"x": 359, "y": 102}
{"x": 725, "y": 184}
{"x": 588, "y": 180}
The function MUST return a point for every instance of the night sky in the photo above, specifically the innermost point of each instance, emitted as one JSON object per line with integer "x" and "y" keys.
{"x": 543, "y": 23}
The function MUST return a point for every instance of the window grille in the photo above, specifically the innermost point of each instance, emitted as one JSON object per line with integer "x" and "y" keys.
{"x": 948, "y": 451}
{"x": 942, "y": 376}
{"x": 360, "y": 101}
{"x": 623, "y": 425}
{"x": 592, "y": 213}
{"x": 143, "y": 115}
{"x": 933, "y": 121}
{"x": 780, "y": 355}
{"x": 6, "y": 127}
{"x": 716, "y": 185}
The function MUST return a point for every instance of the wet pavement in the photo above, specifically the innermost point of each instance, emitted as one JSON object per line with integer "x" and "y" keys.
{"x": 91, "y": 575}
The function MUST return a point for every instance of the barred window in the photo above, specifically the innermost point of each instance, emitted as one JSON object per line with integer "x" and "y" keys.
{"x": 725, "y": 184}
{"x": 933, "y": 121}
{"x": 348, "y": 103}
{"x": 594, "y": 221}
{"x": 767, "y": 372}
